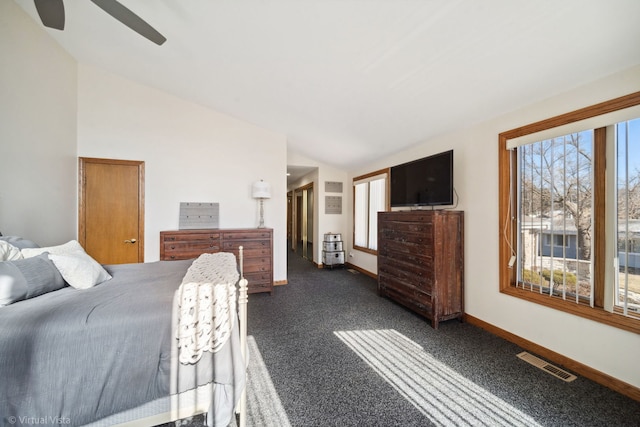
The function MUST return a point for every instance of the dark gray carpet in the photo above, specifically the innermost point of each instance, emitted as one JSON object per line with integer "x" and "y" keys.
{"x": 322, "y": 381}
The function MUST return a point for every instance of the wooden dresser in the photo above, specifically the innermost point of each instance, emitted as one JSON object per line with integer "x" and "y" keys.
{"x": 421, "y": 261}
{"x": 257, "y": 243}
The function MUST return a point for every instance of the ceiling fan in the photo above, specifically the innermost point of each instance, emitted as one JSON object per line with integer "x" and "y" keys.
{"x": 52, "y": 15}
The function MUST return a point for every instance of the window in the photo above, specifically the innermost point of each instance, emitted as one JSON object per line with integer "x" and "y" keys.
{"x": 570, "y": 225}
{"x": 370, "y": 196}
{"x": 556, "y": 240}
{"x": 555, "y": 182}
{"x": 627, "y": 205}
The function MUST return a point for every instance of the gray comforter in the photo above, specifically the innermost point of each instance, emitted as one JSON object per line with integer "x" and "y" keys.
{"x": 72, "y": 356}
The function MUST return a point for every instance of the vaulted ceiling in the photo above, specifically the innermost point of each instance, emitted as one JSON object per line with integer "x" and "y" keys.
{"x": 350, "y": 81}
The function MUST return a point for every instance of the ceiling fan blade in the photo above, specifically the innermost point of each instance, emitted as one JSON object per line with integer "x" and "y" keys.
{"x": 130, "y": 19}
{"x": 51, "y": 13}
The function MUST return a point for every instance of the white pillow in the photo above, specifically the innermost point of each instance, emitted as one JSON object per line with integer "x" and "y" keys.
{"x": 76, "y": 266}
{"x": 79, "y": 270}
{"x": 69, "y": 247}
{"x": 8, "y": 252}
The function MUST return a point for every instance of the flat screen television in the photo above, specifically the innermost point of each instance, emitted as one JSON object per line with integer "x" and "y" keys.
{"x": 423, "y": 182}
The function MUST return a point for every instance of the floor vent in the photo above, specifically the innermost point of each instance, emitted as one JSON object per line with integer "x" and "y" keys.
{"x": 545, "y": 366}
{"x": 352, "y": 271}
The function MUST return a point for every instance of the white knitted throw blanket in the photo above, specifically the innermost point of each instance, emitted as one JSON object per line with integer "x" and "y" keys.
{"x": 206, "y": 305}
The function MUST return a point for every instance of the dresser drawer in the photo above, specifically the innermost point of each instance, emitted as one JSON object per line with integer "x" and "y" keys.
{"x": 413, "y": 261}
{"x": 407, "y": 218}
{"x": 257, "y": 265}
{"x": 259, "y": 287}
{"x": 259, "y": 282}
{"x": 174, "y": 247}
{"x": 246, "y": 244}
{"x": 191, "y": 237}
{"x": 255, "y": 253}
{"x": 421, "y": 279}
{"x": 246, "y": 235}
{"x": 258, "y": 277}
{"x": 408, "y": 296}
{"x": 425, "y": 239}
{"x": 406, "y": 248}
{"x": 187, "y": 253}
{"x": 408, "y": 227}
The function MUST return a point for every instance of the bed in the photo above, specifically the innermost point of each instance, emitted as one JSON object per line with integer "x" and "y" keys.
{"x": 123, "y": 351}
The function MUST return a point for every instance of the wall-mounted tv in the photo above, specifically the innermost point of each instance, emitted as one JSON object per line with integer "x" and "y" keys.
{"x": 423, "y": 182}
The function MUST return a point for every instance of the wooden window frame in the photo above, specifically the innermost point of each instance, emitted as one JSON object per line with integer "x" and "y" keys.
{"x": 508, "y": 205}
{"x": 384, "y": 171}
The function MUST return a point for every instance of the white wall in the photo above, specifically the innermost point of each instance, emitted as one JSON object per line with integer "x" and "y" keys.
{"x": 194, "y": 154}
{"x": 191, "y": 154}
{"x": 604, "y": 348}
{"x": 332, "y": 223}
{"x": 323, "y": 223}
{"x": 38, "y": 162}
{"x": 54, "y": 111}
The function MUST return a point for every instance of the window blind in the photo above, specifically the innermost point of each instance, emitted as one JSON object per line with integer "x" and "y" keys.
{"x": 360, "y": 214}
{"x": 377, "y": 203}
{"x": 574, "y": 127}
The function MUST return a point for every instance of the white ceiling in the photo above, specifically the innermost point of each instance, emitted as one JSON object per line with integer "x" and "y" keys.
{"x": 350, "y": 81}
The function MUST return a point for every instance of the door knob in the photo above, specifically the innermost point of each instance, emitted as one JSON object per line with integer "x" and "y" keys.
{"x": 130, "y": 241}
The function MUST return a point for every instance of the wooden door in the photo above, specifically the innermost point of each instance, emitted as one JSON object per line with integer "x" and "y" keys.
{"x": 290, "y": 218}
{"x": 298, "y": 223}
{"x": 111, "y": 210}
{"x": 304, "y": 221}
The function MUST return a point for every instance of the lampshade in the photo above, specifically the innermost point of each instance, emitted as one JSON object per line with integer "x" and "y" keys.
{"x": 261, "y": 190}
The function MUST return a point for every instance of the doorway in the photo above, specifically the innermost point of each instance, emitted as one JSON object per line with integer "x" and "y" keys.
{"x": 111, "y": 210}
{"x": 302, "y": 221}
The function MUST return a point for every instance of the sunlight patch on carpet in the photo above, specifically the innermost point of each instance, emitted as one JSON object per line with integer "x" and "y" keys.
{"x": 444, "y": 396}
{"x": 263, "y": 403}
